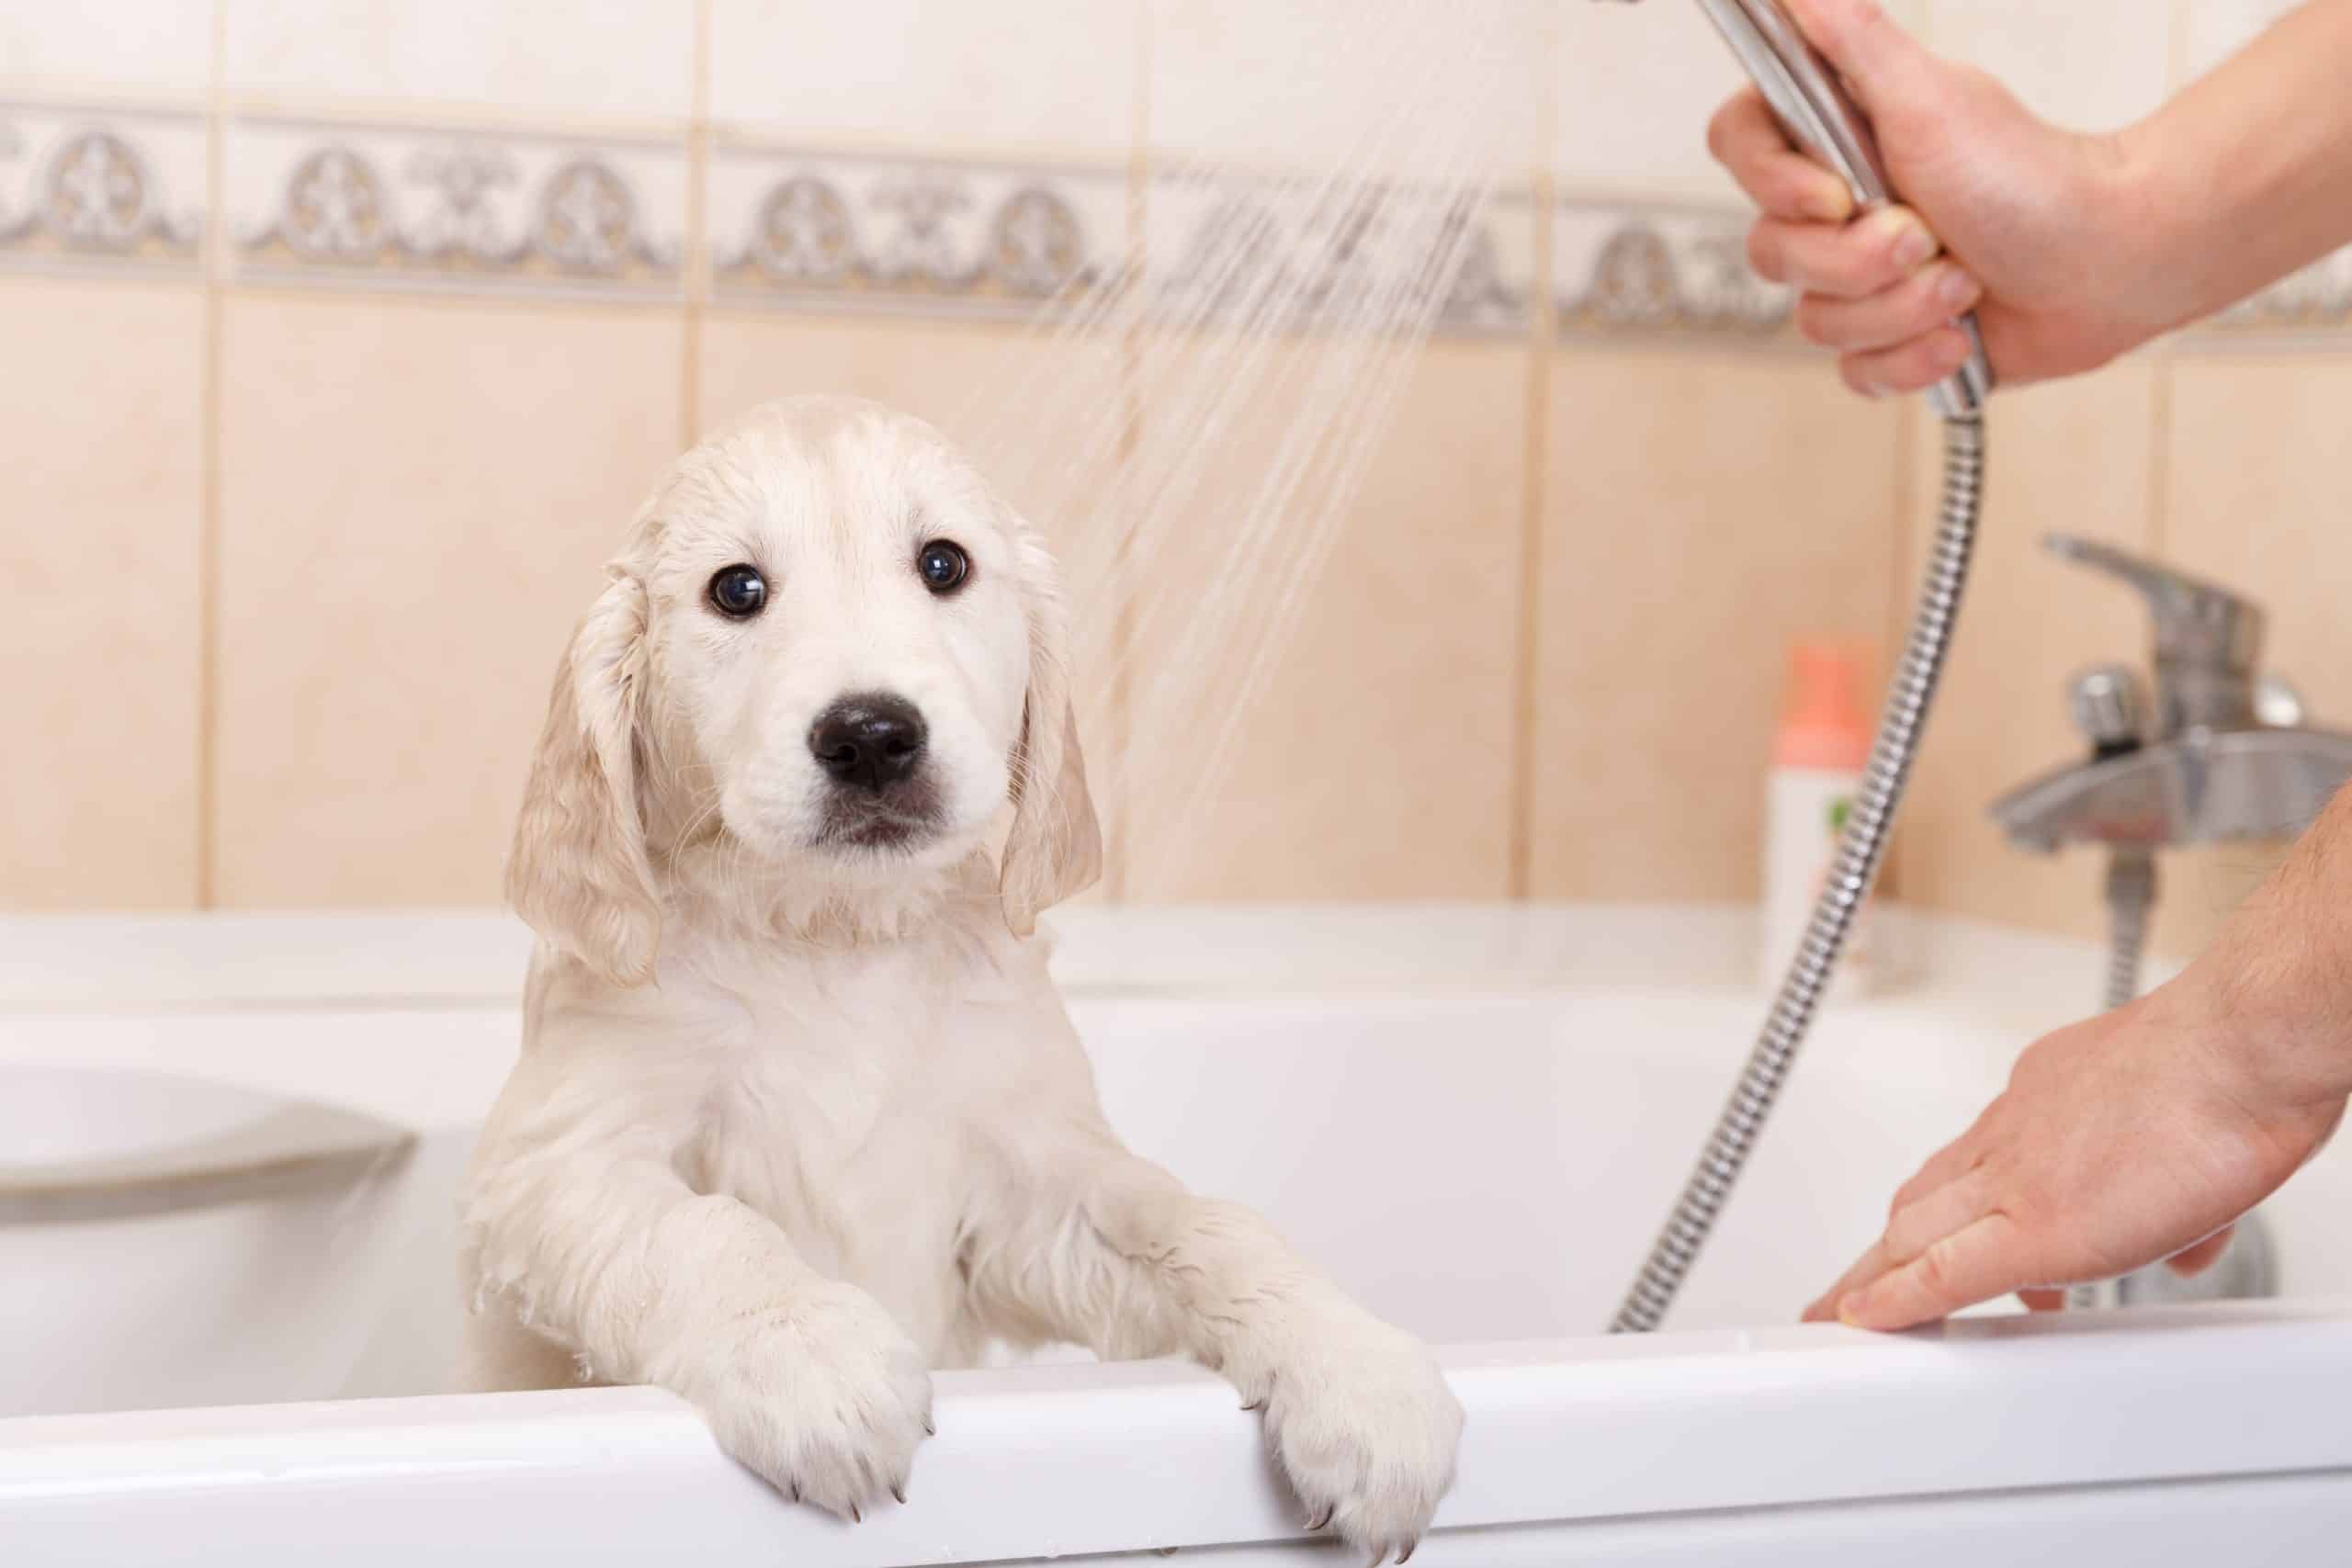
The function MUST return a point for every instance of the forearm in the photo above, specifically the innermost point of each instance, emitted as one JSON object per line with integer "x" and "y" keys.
{"x": 2277, "y": 981}
{"x": 2246, "y": 175}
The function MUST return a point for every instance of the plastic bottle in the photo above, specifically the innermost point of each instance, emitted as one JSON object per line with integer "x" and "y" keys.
{"x": 1819, "y": 750}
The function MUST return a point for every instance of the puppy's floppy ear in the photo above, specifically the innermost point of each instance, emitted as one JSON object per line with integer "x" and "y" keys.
{"x": 1055, "y": 849}
{"x": 577, "y": 875}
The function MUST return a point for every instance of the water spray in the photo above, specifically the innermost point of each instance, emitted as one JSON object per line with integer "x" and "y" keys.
{"x": 1819, "y": 117}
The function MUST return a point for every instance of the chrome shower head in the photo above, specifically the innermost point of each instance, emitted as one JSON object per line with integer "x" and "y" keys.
{"x": 1820, "y": 118}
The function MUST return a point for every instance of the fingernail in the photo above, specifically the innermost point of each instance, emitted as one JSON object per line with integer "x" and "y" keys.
{"x": 1913, "y": 243}
{"x": 1849, "y": 1309}
{"x": 1958, "y": 288}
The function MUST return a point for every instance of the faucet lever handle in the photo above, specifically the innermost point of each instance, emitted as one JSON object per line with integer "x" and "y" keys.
{"x": 2198, "y": 624}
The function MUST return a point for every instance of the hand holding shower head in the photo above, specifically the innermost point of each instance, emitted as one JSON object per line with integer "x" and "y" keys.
{"x": 1819, "y": 117}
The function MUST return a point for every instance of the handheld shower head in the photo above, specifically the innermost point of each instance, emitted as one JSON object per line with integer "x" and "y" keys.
{"x": 1821, "y": 118}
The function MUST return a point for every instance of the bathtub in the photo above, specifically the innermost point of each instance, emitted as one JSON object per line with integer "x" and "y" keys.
{"x": 1475, "y": 1117}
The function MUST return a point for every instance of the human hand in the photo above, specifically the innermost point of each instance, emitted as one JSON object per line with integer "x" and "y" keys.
{"x": 2039, "y": 231}
{"x": 2137, "y": 1136}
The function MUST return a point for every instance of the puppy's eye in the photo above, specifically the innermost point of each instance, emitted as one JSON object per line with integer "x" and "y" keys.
{"x": 739, "y": 593}
{"x": 943, "y": 566}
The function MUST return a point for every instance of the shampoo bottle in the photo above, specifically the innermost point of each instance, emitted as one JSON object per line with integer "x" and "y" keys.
{"x": 1818, "y": 754}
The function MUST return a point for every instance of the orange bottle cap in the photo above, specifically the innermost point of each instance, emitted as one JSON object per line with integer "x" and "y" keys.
{"x": 1823, "y": 726}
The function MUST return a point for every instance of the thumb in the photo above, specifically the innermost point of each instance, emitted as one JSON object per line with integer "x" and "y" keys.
{"x": 1882, "y": 63}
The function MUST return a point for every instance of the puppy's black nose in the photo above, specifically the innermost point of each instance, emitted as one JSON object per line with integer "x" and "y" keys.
{"x": 868, "y": 742}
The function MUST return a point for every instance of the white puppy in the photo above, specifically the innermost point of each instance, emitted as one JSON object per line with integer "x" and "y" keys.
{"x": 798, "y": 1114}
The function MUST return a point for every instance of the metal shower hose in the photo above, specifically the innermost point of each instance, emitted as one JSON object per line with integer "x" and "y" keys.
{"x": 1859, "y": 852}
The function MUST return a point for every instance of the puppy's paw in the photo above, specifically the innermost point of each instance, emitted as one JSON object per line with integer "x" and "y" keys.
{"x": 1365, "y": 1426}
{"x": 823, "y": 1396}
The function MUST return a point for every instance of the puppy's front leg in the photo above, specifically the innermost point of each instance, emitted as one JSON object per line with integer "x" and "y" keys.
{"x": 605, "y": 1249}
{"x": 1126, "y": 1261}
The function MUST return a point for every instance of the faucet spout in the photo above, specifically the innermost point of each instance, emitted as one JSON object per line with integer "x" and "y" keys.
{"x": 2200, "y": 787}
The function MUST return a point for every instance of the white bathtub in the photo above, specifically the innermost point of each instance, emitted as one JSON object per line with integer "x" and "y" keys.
{"x": 1475, "y": 1117}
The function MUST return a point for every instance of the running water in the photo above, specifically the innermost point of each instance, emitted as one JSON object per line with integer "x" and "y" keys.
{"x": 1196, "y": 427}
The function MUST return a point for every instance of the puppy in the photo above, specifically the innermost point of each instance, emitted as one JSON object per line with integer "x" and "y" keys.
{"x": 798, "y": 1114}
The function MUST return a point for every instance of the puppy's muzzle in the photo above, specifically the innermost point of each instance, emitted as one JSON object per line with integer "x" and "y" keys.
{"x": 870, "y": 744}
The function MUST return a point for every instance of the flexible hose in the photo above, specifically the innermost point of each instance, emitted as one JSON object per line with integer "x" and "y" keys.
{"x": 1850, "y": 874}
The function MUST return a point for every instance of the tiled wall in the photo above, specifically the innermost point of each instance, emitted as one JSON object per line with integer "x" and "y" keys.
{"x": 342, "y": 339}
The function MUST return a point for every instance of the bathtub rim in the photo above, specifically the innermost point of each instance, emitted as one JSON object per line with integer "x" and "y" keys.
{"x": 1076, "y": 1459}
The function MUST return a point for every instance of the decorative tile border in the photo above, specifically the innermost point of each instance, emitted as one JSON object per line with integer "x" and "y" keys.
{"x": 1623, "y": 269}
{"x": 463, "y": 209}
{"x": 116, "y": 189}
{"x": 2315, "y": 300}
{"x": 100, "y": 190}
{"x": 845, "y": 232}
{"x": 831, "y": 231}
{"x": 1307, "y": 257}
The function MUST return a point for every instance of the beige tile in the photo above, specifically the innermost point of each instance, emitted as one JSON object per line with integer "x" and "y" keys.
{"x": 1635, "y": 88}
{"x": 623, "y": 58}
{"x": 1329, "y": 83}
{"x": 1016, "y": 76}
{"x": 100, "y": 475}
{"x": 1702, "y": 511}
{"x": 416, "y": 497}
{"x": 2076, "y": 456}
{"x": 2093, "y": 65}
{"x": 1372, "y": 757}
{"x": 159, "y": 46}
{"x": 2213, "y": 31}
{"x": 2257, "y": 503}
{"x": 1041, "y": 415}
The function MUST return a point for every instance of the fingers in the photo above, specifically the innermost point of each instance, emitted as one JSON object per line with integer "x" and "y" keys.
{"x": 1914, "y": 1228}
{"x": 1943, "y": 1166}
{"x": 1947, "y": 1210}
{"x": 1946, "y": 1166}
{"x": 1868, "y": 1267}
{"x": 1933, "y": 296}
{"x": 1852, "y": 261}
{"x": 2043, "y": 1298}
{"x": 1783, "y": 183}
{"x": 1918, "y": 364}
{"x": 2195, "y": 1260}
{"x": 1974, "y": 1264}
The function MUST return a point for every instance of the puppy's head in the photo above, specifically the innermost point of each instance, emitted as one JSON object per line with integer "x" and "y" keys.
{"x": 827, "y": 656}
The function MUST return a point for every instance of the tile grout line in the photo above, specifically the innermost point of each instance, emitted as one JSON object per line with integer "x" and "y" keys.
{"x": 1116, "y": 870}
{"x": 1534, "y": 478}
{"x": 208, "y": 523}
{"x": 695, "y": 281}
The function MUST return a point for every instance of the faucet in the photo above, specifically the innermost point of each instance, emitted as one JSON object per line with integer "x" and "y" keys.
{"x": 2223, "y": 753}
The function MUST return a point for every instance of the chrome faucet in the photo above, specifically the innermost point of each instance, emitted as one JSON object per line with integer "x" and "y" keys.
{"x": 2222, "y": 754}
